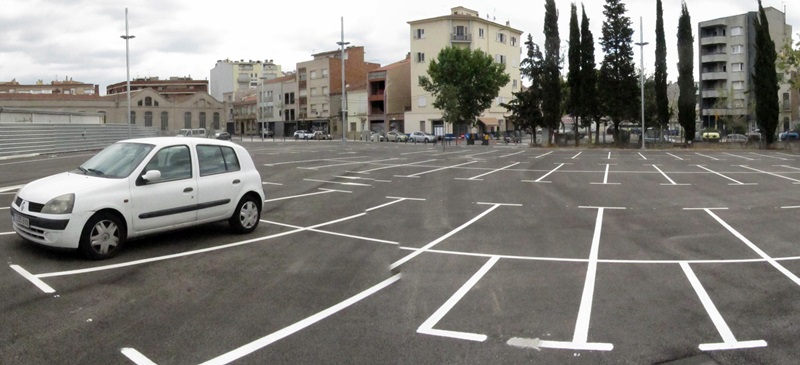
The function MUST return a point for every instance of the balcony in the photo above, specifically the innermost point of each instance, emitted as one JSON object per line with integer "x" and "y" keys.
{"x": 711, "y": 93}
{"x": 714, "y": 76}
{"x": 461, "y": 37}
{"x": 714, "y": 57}
{"x": 713, "y": 40}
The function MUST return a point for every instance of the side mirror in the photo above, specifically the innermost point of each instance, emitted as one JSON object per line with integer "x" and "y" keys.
{"x": 151, "y": 176}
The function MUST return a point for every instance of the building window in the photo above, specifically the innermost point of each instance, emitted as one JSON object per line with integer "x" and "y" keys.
{"x": 420, "y": 57}
{"x": 422, "y": 126}
{"x": 501, "y": 59}
{"x": 736, "y": 31}
{"x": 133, "y": 117}
{"x": 324, "y": 108}
{"x": 324, "y": 91}
{"x": 501, "y": 37}
{"x": 202, "y": 119}
{"x": 324, "y": 73}
{"x": 216, "y": 121}
{"x": 148, "y": 101}
{"x": 513, "y": 41}
{"x": 419, "y": 33}
{"x": 164, "y": 121}
{"x": 736, "y": 67}
{"x": 514, "y": 83}
{"x": 148, "y": 119}
{"x": 313, "y": 91}
{"x": 480, "y": 32}
{"x": 313, "y": 75}
{"x": 737, "y": 49}
{"x": 421, "y": 101}
{"x": 738, "y": 85}
{"x": 187, "y": 120}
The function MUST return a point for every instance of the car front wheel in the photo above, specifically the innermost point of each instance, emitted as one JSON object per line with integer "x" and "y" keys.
{"x": 246, "y": 216}
{"x": 102, "y": 236}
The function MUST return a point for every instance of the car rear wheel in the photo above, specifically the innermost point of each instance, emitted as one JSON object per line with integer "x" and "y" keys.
{"x": 246, "y": 216}
{"x": 102, "y": 236}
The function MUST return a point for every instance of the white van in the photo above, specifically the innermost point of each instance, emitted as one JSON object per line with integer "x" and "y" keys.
{"x": 199, "y": 132}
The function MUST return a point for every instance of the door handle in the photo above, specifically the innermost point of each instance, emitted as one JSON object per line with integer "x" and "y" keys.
{"x": 237, "y": 181}
{"x": 188, "y": 190}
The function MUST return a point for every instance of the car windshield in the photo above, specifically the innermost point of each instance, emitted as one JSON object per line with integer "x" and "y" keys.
{"x": 116, "y": 161}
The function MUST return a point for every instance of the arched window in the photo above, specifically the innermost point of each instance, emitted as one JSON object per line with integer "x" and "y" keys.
{"x": 187, "y": 120}
{"x": 216, "y": 121}
{"x": 164, "y": 121}
{"x": 133, "y": 117}
{"x": 202, "y": 119}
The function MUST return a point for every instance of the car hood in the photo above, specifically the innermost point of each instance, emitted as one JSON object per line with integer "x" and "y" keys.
{"x": 44, "y": 189}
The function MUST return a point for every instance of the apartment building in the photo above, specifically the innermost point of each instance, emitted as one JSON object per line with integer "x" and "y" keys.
{"x": 461, "y": 28}
{"x": 245, "y": 116}
{"x": 321, "y": 77}
{"x": 279, "y": 107}
{"x": 727, "y": 63}
{"x": 65, "y": 87}
{"x": 173, "y": 86}
{"x": 389, "y": 97}
{"x": 229, "y": 77}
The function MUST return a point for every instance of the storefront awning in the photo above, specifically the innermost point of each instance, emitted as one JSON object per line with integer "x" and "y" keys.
{"x": 489, "y": 122}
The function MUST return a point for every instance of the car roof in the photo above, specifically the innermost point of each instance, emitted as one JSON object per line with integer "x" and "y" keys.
{"x": 168, "y": 141}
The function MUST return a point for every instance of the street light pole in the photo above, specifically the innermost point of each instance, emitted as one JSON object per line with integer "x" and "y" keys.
{"x": 344, "y": 99}
{"x": 641, "y": 45}
{"x": 127, "y": 37}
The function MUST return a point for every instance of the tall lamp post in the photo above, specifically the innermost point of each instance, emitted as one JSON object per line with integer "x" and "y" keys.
{"x": 127, "y": 38}
{"x": 344, "y": 99}
{"x": 641, "y": 45}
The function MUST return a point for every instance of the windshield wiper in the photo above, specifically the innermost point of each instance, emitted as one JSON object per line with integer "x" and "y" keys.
{"x": 97, "y": 172}
{"x": 84, "y": 171}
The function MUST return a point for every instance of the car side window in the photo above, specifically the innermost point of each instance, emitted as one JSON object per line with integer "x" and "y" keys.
{"x": 216, "y": 159}
{"x": 174, "y": 162}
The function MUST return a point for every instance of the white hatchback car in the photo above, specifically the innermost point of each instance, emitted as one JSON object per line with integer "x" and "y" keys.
{"x": 139, "y": 187}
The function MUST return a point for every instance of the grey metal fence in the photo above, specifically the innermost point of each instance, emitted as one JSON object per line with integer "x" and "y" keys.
{"x": 23, "y": 139}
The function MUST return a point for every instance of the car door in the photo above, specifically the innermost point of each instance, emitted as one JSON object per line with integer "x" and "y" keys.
{"x": 220, "y": 182}
{"x": 169, "y": 201}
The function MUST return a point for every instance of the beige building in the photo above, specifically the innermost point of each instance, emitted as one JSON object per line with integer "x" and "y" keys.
{"x": 461, "y": 28}
{"x": 278, "y": 105}
{"x": 66, "y": 87}
{"x": 230, "y": 77}
{"x": 727, "y": 57}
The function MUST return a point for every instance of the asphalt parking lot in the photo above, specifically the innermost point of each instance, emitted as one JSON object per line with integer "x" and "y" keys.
{"x": 373, "y": 253}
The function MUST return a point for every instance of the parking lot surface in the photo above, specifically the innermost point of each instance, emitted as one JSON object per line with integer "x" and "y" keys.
{"x": 372, "y": 253}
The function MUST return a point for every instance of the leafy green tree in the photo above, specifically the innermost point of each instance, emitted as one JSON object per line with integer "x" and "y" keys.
{"x": 662, "y": 102}
{"x": 551, "y": 77}
{"x": 574, "y": 75}
{"x": 687, "y": 99}
{"x": 525, "y": 107}
{"x": 464, "y": 83}
{"x": 765, "y": 78}
{"x": 789, "y": 62}
{"x": 618, "y": 73}
{"x": 590, "y": 108}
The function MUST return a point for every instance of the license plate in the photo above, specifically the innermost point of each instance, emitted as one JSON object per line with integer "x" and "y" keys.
{"x": 22, "y": 221}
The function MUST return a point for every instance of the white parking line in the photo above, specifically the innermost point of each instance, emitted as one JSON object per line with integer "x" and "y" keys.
{"x": 307, "y": 161}
{"x": 391, "y": 167}
{"x": 292, "y": 329}
{"x": 581, "y": 334}
{"x": 331, "y": 233}
{"x": 671, "y": 182}
{"x": 540, "y": 156}
{"x": 136, "y": 356}
{"x": 324, "y": 191}
{"x": 706, "y": 156}
{"x": 742, "y": 157}
{"x": 347, "y": 163}
{"x": 539, "y": 180}
{"x": 675, "y": 156}
{"x": 427, "y": 326}
{"x": 439, "y": 169}
{"x": 512, "y": 154}
{"x": 337, "y": 182}
{"x": 789, "y": 167}
{"x": 476, "y": 178}
{"x": 777, "y": 158}
{"x": 442, "y": 238}
{"x": 718, "y": 174}
{"x": 576, "y": 156}
{"x": 640, "y": 154}
{"x": 605, "y": 178}
{"x": 10, "y": 188}
{"x": 729, "y": 341}
{"x": 33, "y": 279}
{"x": 771, "y": 174}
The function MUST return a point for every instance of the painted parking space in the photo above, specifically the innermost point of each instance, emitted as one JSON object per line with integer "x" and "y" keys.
{"x": 509, "y": 266}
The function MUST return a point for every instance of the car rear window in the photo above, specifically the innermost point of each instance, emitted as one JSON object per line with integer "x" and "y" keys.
{"x": 217, "y": 159}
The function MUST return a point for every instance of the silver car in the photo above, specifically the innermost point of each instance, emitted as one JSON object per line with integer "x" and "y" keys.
{"x": 421, "y": 137}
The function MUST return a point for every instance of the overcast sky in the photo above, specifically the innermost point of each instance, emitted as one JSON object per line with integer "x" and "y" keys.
{"x": 80, "y": 39}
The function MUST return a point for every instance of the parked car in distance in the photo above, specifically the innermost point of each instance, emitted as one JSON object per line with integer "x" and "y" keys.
{"x": 267, "y": 133}
{"x": 225, "y": 136}
{"x": 320, "y": 135}
{"x": 710, "y": 136}
{"x": 422, "y": 137}
{"x": 395, "y": 136}
{"x": 197, "y": 132}
{"x": 140, "y": 187}
{"x": 376, "y": 137}
{"x": 789, "y": 136}
{"x": 303, "y": 134}
{"x": 736, "y": 138}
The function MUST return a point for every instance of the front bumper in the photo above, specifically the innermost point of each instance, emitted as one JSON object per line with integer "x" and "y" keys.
{"x": 44, "y": 231}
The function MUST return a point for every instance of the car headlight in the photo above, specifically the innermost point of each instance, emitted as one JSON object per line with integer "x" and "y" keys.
{"x": 60, "y": 205}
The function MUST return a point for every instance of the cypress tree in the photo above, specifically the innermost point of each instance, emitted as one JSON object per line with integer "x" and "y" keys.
{"x": 687, "y": 99}
{"x": 574, "y": 75}
{"x": 765, "y": 78}
{"x": 618, "y": 73}
{"x": 662, "y": 102}
{"x": 551, "y": 86}
{"x": 589, "y": 100}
